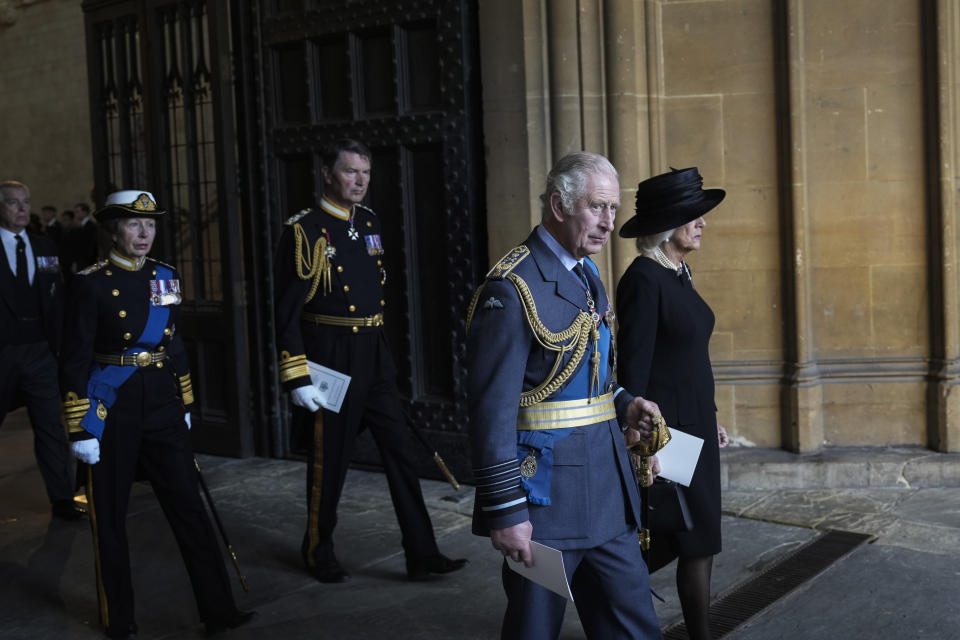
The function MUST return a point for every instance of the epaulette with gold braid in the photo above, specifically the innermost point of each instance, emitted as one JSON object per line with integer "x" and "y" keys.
{"x": 164, "y": 264}
{"x": 366, "y": 208}
{"x": 508, "y": 262}
{"x": 292, "y": 220}
{"x": 96, "y": 266}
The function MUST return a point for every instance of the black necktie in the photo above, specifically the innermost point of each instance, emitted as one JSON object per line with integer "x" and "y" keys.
{"x": 578, "y": 269}
{"x": 23, "y": 277}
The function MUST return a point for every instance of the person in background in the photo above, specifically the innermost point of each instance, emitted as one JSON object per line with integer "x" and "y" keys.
{"x": 31, "y": 286}
{"x": 51, "y": 226}
{"x": 80, "y": 244}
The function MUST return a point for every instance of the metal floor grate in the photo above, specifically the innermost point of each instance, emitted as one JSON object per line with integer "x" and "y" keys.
{"x": 735, "y": 608}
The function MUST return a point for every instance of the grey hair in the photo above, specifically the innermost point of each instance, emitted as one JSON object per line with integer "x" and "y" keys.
{"x": 646, "y": 244}
{"x": 13, "y": 184}
{"x": 569, "y": 178}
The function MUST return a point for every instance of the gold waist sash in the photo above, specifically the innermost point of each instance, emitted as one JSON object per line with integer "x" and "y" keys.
{"x": 566, "y": 414}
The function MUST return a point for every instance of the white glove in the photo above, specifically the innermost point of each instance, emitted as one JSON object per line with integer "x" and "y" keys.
{"x": 186, "y": 418}
{"x": 86, "y": 450}
{"x": 307, "y": 396}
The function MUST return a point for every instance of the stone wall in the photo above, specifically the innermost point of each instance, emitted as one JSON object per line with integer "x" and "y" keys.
{"x": 831, "y": 265}
{"x": 43, "y": 84}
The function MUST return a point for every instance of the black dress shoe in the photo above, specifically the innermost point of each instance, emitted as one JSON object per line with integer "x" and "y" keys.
{"x": 329, "y": 571}
{"x": 67, "y": 510}
{"x": 421, "y": 568}
{"x": 237, "y": 619}
{"x": 325, "y": 566}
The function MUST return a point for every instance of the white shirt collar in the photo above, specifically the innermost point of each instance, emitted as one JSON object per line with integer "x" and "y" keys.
{"x": 10, "y": 235}
{"x": 566, "y": 258}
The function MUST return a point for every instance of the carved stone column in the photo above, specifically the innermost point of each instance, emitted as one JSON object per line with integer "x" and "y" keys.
{"x": 630, "y": 116}
{"x": 942, "y": 90}
{"x": 802, "y": 421}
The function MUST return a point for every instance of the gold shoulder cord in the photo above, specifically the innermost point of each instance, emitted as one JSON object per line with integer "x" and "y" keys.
{"x": 311, "y": 265}
{"x": 572, "y": 338}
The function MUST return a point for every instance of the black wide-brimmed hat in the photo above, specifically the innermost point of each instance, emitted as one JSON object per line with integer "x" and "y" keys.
{"x": 131, "y": 203}
{"x": 668, "y": 201}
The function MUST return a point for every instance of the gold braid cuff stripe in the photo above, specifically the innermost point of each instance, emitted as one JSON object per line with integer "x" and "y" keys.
{"x": 186, "y": 389}
{"x": 286, "y": 375}
{"x": 292, "y": 367}
{"x": 312, "y": 265}
{"x": 566, "y": 414}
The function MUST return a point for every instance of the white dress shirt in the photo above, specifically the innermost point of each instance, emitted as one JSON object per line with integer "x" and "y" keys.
{"x": 566, "y": 258}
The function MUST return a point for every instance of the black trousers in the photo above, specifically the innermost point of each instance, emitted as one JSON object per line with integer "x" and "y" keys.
{"x": 146, "y": 436}
{"x": 372, "y": 401}
{"x": 28, "y": 373}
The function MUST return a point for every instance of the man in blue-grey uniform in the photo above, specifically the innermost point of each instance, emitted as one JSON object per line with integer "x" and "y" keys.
{"x": 547, "y": 419}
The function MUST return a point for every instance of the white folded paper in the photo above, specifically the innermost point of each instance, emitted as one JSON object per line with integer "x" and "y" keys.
{"x": 679, "y": 458}
{"x": 547, "y": 569}
{"x": 331, "y": 384}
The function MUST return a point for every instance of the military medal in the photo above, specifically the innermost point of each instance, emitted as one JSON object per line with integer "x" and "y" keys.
{"x": 374, "y": 246}
{"x": 352, "y": 233}
{"x": 528, "y": 468}
{"x": 592, "y": 307}
{"x": 48, "y": 264}
{"x": 164, "y": 292}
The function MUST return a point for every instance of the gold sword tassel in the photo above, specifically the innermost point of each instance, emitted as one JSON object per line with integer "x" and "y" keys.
{"x": 316, "y": 487}
{"x": 595, "y": 362}
{"x": 92, "y": 511}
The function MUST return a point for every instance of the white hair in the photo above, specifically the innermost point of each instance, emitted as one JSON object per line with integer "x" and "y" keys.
{"x": 569, "y": 178}
{"x": 646, "y": 244}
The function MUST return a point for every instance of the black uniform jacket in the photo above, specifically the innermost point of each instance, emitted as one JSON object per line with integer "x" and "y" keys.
{"x": 109, "y": 305}
{"x": 49, "y": 280}
{"x": 339, "y": 267}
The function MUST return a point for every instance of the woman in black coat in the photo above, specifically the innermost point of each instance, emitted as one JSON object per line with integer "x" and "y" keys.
{"x": 663, "y": 350}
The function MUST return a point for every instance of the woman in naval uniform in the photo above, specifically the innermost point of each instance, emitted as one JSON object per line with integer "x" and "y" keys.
{"x": 127, "y": 394}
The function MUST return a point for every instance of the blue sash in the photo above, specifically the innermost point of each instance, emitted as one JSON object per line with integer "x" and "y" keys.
{"x": 540, "y": 443}
{"x": 106, "y": 379}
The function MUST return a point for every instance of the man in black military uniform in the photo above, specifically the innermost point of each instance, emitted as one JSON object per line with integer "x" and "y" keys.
{"x": 329, "y": 306}
{"x": 30, "y": 315}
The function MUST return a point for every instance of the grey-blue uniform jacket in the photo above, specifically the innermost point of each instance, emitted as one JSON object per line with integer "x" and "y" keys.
{"x": 593, "y": 496}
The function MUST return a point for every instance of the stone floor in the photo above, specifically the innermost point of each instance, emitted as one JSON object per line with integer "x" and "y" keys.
{"x": 903, "y": 585}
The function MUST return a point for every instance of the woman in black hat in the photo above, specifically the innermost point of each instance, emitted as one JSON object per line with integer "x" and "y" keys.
{"x": 663, "y": 356}
{"x": 127, "y": 396}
